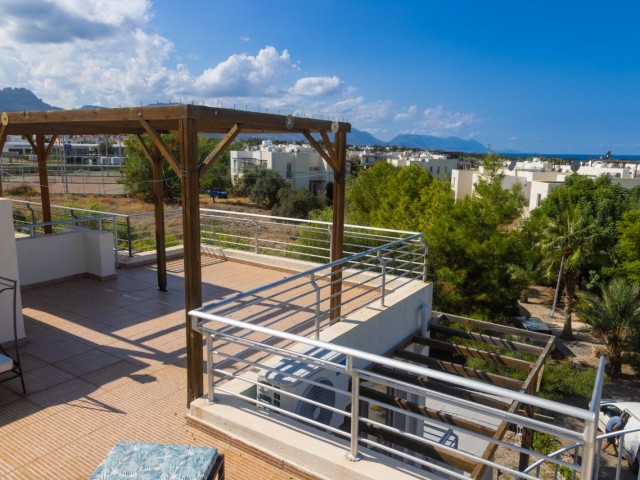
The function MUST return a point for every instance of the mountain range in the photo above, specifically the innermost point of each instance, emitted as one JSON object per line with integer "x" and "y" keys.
{"x": 22, "y": 99}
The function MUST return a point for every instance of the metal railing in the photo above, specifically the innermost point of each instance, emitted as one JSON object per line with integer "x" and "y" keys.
{"x": 236, "y": 349}
{"x": 261, "y": 234}
{"x": 308, "y": 300}
{"x": 601, "y": 469}
{"x": 267, "y": 340}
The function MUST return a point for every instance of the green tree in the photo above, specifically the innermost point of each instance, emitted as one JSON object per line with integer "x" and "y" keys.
{"x": 628, "y": 246}
{"x": 262, "y": 186}
{"x": 566, "y": 245}
{"x": 137, "y": 172}
{"x": 296, "y": 203}
{"x": 137, "y": 175}
{"x": 614, "y": 315}
{"x": 475, "y": 254}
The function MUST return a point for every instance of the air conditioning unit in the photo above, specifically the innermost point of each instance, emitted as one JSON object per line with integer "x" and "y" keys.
{"x": 293, "y": 377}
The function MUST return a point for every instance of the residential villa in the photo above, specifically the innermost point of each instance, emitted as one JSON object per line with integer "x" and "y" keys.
{"x": 300, "y": 165}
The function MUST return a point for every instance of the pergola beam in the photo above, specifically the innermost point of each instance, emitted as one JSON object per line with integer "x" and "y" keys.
{"x": 325, "y": 156}
{"x": 156, "y": 139}
{"x": 221, "y": 147}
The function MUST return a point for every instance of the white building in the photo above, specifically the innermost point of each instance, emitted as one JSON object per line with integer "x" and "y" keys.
{"x": 537, "y": 178}
{"x": 301, "y": 166}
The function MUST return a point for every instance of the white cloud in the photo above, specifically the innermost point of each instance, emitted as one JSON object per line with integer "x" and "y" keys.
{"x": 438, "y": 121}
{"x": 103, "y": 52}
{"x": 406, "y": 114}
{"x": 244, "y": 38}
{"x": 242, "y": 74}
{"x": 313, "y": 86}
{"x": 513, "y": 138}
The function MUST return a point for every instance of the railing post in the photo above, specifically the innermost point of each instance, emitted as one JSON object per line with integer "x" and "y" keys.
{"x": 424, "y": 262}
{"x": 115, "y": 239}
{"x": 384, "y": 276}
{"x": 317, "y": 290}
{"x": 353, "y": 455}
{"x": 129, "y": 235}
{"x": 330, "y": 231}
{"x": 210, "y": 391}
{"x": 256, "y": 237}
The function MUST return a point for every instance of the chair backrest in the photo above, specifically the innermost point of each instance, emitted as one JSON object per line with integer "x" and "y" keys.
{"x": 10, "y": 286}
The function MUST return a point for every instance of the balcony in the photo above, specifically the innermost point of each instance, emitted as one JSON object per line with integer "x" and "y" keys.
{"x": 105, "y": 362}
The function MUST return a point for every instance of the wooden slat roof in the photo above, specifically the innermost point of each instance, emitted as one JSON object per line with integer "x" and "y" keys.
{"x": 162, "y": 119}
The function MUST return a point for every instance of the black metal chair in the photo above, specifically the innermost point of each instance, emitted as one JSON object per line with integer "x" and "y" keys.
{"x": 10, "y": 366}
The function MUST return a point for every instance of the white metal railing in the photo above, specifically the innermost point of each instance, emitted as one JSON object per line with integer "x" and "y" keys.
{"x": 220, "y": 332}
{"x": 600, "y": 468}
{"x": 262, "y": 234}
{"x": 309, "y": 299}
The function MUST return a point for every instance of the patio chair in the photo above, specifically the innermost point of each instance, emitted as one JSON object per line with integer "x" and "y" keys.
{"x": 10, "y": 366}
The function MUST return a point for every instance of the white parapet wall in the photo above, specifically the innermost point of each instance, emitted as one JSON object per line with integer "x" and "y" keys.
{"x": 76, "y": 252}
{"x": 9, "y": 269}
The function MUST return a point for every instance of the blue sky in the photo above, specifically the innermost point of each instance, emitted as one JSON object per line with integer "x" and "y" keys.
{"x": 539, "y": 77}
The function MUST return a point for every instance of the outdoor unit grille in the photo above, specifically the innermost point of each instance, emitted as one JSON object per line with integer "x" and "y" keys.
{"x": 309, "y": 382}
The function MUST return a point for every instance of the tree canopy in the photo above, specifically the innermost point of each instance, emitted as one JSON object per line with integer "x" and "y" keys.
{"x": 137, "y": 171}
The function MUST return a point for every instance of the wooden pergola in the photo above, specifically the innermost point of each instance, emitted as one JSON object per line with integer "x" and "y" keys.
{"x": 186, "y": 122}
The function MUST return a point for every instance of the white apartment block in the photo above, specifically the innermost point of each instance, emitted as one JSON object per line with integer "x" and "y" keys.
{"x": 437, "y": 164}
{"x": 537, "y": 178}
{"x": 301, "y": 166}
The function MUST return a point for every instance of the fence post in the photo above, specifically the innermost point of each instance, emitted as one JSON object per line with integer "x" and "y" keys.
{"x": 353, "y": 455}
{"x": 255, "y": 235}
{"x": 330, "y": 230}
{"x": 316, "y": 288}
{"x": 384, "y": 276}
{"x": 129, "y": 235}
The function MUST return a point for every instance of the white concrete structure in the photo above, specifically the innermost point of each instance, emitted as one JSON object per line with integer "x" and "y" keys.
{"x": 301, "y": 166}
{"x": 79, "y": 251}
{"x": 9, "y": 269}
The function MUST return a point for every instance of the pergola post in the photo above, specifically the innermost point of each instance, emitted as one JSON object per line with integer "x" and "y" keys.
{"x": 337, "y": 232}
{"x": 188, "y": 137}
{"x": 3, "y": 139}
{"x": 42, "y": 152}
{"x": 158, "y": 204}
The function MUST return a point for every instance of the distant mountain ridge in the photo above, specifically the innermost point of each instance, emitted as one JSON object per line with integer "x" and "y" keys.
{"x": 22, "y": 99}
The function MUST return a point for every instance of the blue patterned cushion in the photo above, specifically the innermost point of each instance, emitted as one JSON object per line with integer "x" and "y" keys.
{"x": 147, "y": 461}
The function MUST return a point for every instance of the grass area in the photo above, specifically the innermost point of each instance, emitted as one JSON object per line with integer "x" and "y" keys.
{"x": 128, "y": 205}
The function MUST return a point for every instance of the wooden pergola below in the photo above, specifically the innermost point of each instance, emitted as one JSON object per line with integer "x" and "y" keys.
{"x": 186, "y": 122}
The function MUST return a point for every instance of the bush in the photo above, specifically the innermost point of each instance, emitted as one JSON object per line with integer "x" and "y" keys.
{"x": 296, "y": 203}
{"x": 564, "y": 380}
{"x": 23, "y": 190}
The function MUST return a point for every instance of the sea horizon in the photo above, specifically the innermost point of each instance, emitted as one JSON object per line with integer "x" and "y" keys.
{"x": 570, "y": 156}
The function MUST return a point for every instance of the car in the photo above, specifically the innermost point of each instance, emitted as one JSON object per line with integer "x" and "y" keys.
{"x": 613, "y": 408}
{"x": 217, "y": 193}
{"x": 532, "y": 324}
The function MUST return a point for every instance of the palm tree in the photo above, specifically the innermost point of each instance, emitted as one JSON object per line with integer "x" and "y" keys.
{"x": 613, "y": 315}
{"x": 566, "y": 244}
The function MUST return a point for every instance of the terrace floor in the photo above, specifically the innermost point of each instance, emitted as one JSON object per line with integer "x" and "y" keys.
{"x": 105, "y": 362}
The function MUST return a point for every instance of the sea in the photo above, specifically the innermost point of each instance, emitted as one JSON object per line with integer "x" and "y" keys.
{"x": 571, "y": 156}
